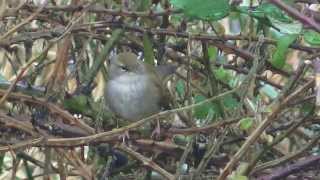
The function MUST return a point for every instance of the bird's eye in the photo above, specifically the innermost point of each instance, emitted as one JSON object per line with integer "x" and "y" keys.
{"x": 124, "y": 68}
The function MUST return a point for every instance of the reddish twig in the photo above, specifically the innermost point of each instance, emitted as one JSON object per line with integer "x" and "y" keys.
{"x": 282, "y": 173}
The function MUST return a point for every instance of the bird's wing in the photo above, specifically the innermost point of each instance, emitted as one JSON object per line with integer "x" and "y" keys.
{"x": 165, "y": 96}
{"x": 165, "y": 70}
{"x": 160, "y": 78}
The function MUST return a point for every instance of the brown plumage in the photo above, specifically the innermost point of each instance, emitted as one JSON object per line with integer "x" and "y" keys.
{"x": 135, "y": 89}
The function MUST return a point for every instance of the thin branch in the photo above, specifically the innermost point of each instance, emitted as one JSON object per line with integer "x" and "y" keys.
{"x": 296, "y": 14}
{"x": 26, "y": 21}
{"x": 145, "y": 161}
{"x": 288, "y": 157}
{"x": 276, "y": 108}
{"x": 111, "y": 135}
{"x": 52, "y": 108}
{"x": 99, "y": 9}
{"x": 14, "y": 123}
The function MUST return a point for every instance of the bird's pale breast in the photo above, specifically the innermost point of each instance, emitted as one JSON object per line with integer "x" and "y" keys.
{"x": 132, "y": 97}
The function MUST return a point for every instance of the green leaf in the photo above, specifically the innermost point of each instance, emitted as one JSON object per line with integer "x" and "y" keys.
{"x": 270, "y": 15}
{"x": 279, "y": 57}
{"x": 201, "y": 111}
{"x": 148, "y": 49}
{"x": 181, "y": 139}
{"x": 221, "y": 74}
{"x": 212, "y": 52}
{"x": 294, "y": 27}
{"x": 246, "y": 123}
{"x": 204, "y": 9}
{"x": 312, "y": 37}
{"x": 271, "y": 11}
{"x": 230, "y": 102}
{"x": 180, "y": 87}
{"x": 206, "y": 110}
{"x": 76, "y": 104}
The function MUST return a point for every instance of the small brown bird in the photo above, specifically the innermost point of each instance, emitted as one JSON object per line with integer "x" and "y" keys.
{"x": 136, "y": 90}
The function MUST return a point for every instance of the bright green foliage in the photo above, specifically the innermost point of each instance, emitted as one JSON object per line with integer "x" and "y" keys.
{"x": 203, "y": 111}
{"x": 271, "y": 11}
{"x": 180, "y": 87}
{"x": 148, "y": 49}
{"x": 270, "y": 15}
{"x": 246, "y": 123}
{"x": 294, "y": 27}
{"x": 221, "y": 74}
{"x": 283, "y": 43}
{"x": 204, "y": 9}
{"x": 266, "y": 11}
{"x": 230, "y": 102}
{"x": 312, "y": 37}
{"x": 212, "y": 52}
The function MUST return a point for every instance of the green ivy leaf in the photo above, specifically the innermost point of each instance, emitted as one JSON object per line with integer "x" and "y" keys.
{"x": 294, "y": 27}
{"x": 271, "y": 11}
{"x": 212, "y": 52}
{"x": 279, "y": 57}
{"x": 221, "y": 74}
{"x": 148, "y": 49}
{"x": 246, "y": 123}
{"x": 76, "y": 104}
{"x": 270, "y": 15}
{"x": 230, "y": 102}
{"x": 312, "y": 37}
{"x": 205, "y": 10}
{"x": 180, "y": 87}
{"x": 202, "y": 111}
{"x": 206, "y": 111}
